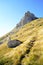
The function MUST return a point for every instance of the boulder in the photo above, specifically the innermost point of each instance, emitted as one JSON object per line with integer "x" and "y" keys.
{"x": 13, "y": 43}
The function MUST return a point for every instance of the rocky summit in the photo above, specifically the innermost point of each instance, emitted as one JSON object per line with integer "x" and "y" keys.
{"x": 26, "y": 44}
{"x": 28, "y": 16}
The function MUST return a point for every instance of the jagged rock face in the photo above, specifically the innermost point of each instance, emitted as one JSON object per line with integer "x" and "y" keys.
{"x": 13, "y": 43}
{"x": 27, "y": 18}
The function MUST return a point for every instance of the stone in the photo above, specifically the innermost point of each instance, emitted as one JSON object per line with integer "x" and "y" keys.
{"x": 13, "y": 43}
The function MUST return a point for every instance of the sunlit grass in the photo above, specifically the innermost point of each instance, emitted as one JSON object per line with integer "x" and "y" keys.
{"x": 30, "y": 52}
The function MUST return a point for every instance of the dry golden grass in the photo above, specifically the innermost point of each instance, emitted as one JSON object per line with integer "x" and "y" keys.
{"x": 30, "y": 52}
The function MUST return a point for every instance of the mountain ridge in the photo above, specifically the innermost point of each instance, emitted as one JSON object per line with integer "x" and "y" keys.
{"x": 30, "y": 52}
{"x": 28, "y": 17}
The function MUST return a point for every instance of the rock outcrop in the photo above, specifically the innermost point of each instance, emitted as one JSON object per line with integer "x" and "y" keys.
{"x": 27, "y": 18}
{"x": 13, "y": 43}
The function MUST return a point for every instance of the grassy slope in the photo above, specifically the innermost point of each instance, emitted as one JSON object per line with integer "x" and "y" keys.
{"x": 30, "y": 52}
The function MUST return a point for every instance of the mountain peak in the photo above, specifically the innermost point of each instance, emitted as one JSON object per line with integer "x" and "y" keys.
{"x": 28, "y": 13}
{"x": 28, "y": 16}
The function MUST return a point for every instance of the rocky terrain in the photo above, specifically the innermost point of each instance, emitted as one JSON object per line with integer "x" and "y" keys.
{"x": 28, "y": 45}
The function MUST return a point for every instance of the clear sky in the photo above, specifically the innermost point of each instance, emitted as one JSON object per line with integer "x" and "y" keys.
{"x": 11, "y": 11}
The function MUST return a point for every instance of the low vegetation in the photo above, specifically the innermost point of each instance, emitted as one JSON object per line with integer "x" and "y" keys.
{"x": 30, "y": 52}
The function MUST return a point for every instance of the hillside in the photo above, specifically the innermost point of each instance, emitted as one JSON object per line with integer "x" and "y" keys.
{"x": 28, "y": 17}
{"x": 30, "y": 52}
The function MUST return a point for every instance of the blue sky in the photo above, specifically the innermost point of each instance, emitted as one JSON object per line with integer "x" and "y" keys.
{"x": 11, "y": 11}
